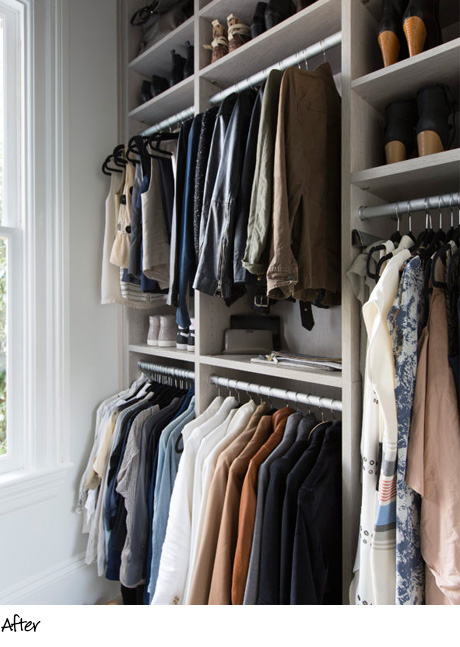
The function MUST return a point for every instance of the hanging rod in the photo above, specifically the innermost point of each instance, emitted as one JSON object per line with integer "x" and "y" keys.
{"x": 256, "y": 79}
{"x": 170, "y": 121}
{"x": 410, "y": 206}
{"x": 281, "y": 394}
{"x": 161, "y": 369}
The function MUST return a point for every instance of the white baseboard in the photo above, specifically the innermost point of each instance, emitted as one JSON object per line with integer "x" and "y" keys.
{"x": 70, "y": 582}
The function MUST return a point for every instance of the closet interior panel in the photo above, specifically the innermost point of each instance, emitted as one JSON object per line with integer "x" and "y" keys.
{"x": 343, "y": 34}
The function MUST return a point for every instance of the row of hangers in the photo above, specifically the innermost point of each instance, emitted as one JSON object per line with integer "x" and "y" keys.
{"x": 140, "y": 150}
{"x": 430, "y": 245}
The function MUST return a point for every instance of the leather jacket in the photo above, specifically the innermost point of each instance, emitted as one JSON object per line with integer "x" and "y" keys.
{"x": 215, "y": 267}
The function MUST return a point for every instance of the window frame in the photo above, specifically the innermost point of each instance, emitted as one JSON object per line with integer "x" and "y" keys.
{"x": 11, "y": 228}
{"x": 44, "y": 460}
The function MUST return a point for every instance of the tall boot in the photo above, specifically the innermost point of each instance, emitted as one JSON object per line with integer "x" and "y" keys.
{"x": 258, "y": 20}
{"x": 303, "y": 4}
{"x": 277, "y": 11}
{"x": 189, "y": 66}
{"x": 178, "y": 64}
{"x": 399, "y": 139}
{"x": 435, "y": 105}
{"x": 421, "y": 25}
{"x": 391, "y": 36}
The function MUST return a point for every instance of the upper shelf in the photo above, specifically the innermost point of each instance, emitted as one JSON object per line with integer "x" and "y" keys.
{"x": 168, "y": 103}
{"x": 243, "y": 363}
{"x": 305, "y": 28}
{"x": 409, "y": 179}
{"x": 157, "y": 59}
{"x": 169, "y": 353}
{"x": 438, "y": 65}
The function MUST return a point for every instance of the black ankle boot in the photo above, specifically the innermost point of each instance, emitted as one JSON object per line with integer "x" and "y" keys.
{"x": 391, "y": 39}
{"x": 303, "y": 4}
{"x": 178, "y": 64}
{"x": 435, "y": 104}
{"x": 189, "y": 62}
{"x": 421, "y": 25}
{"x": 146, "y": 91}
{"x": 159, "y": 85}
{"x": 277, "y": 11}
{"x": 258, "y": 20}
{"x": 399, "y": 139}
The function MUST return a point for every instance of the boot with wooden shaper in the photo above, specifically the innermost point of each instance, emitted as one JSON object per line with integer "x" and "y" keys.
{"x": 435, "y": 105}
{"x": 391, "y": 36}
{"x": 421, "y": 25}
{"x": 399, "y": 139}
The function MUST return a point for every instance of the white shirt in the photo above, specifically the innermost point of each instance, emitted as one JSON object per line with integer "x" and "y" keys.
{"x": 175, "y": 554}
{"x": 375, "y": 568}
{"x": 209, "y": 452}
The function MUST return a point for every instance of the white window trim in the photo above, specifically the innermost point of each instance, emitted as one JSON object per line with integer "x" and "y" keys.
{"x": 46, "y": 345}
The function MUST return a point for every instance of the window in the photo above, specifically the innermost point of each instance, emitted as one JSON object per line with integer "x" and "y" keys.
{"x": 11, "y": 233}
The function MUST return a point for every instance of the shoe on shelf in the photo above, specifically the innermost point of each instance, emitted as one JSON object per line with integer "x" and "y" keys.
{"x": 146, "y": 91}
{"x": 421, "y": 25}
{"x": 154, "y": 330}
{"x": 159, "y": 85}
{"x": 191, "y": 337}
{"x": 258, "y": 20}
{"x": 435, "y": 104}
{"x": 303, "y": 4}
{"x": 189, "y": 61}
{"x": 238, "y": 32}
{"x": 219, "y": 48}
{"x": 400, "y": 122}
{"x": 178, "y": 64}
{"x": 168, "y": 331}
{"x": 277, "y": 11}
{"x": 218, "y": 30}
{"x": 182, "y": 338}
{"x": 392, "y": 41}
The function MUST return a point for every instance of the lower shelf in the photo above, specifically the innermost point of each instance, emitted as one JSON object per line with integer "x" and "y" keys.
{"x": 156, "y": 351}
{"x": 243, "y": 363}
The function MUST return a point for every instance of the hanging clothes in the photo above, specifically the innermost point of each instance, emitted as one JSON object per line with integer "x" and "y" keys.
{"x": 434, "y": 455}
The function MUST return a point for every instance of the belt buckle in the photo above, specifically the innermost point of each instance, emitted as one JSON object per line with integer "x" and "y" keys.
{"x": 261, "y": 301}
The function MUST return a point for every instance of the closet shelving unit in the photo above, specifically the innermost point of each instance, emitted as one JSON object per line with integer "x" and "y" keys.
{"x": 366, "y": 88}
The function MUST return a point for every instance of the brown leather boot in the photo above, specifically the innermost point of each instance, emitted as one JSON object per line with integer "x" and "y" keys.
{"x": 238, "y": 32}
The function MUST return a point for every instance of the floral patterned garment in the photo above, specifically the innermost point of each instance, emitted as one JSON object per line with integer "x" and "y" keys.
{"x": 404, "y": 320}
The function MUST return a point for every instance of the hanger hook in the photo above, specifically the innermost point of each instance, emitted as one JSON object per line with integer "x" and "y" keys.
{"x": 409, "y": 214}
{"x": 323, "y": 50}
{"x": 451, "y": 202}
{"x": 321, "y": 409}
{"x": 397, "y": 215}
{"x": 440, "y": 212}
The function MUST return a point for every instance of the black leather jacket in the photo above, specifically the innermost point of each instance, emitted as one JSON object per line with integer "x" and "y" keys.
{"x": 215, "y": 267}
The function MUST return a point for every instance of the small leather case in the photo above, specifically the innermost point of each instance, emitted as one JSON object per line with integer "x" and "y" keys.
{"x": 248, "y": 342}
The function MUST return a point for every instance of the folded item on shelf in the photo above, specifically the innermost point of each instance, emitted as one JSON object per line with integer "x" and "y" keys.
{"x": 297, "y": 360}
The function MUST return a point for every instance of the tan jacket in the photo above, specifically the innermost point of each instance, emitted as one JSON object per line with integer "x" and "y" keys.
{"x": 201, "y": 580}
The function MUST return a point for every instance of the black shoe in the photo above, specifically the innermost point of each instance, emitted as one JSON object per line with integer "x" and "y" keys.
{"x": 400, "y": 121}
{"x": 277, "y": 11}
{"x": 435, "y": 105}
{"x": 258, "y": 20}
{"x": 178, "y": 64}
{"x": 146, "y": 91}
{"x": 182, "y": 338}
{"x": 421, "y": 25}
{"x": 189, "y": 62}
{"x": 391, "y": 38}
{"x": 159, "y": 85}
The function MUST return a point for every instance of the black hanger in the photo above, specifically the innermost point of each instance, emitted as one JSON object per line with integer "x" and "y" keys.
{"x": 375, "y": 248}
{"x": 136, "y": 145}
{"x": 118, "y": 155}
{"x": 395, "y": 238}
{"x": 106, "y": 169}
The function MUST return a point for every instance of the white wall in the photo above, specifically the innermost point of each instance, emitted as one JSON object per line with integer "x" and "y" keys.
{"x": 42, "y": 544}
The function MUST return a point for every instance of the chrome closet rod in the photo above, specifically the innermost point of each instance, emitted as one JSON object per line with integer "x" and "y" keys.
{"x": 256, "y": 79}
{"x": 161, "y": 369}
{"x": 170, "y": 121}
{"x": 406, "y": 207}
{"x": 281, "y": 394}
